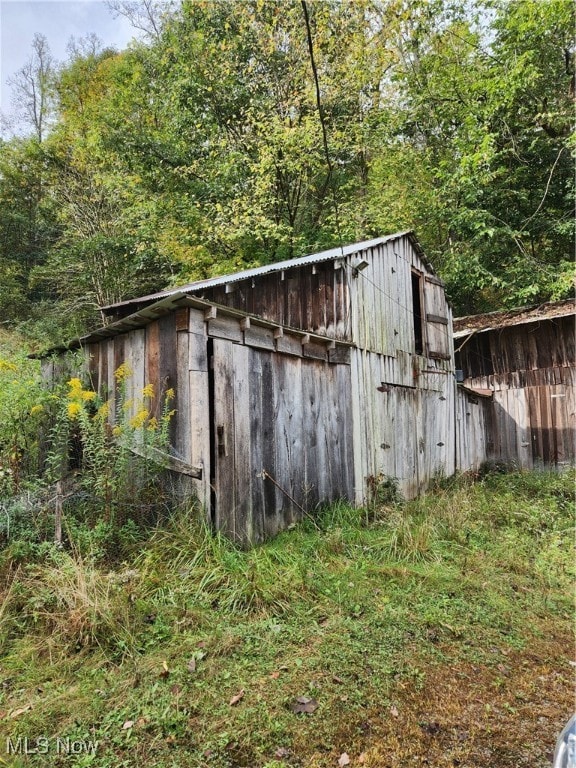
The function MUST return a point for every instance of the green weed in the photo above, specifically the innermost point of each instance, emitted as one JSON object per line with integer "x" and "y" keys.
{"x": 148, "y": 656}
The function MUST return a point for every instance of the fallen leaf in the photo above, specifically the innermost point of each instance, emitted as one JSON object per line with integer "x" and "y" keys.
{"x": 282, "y": 752}
{"x": 165, "y": 671}
{"x": 20, "y": 711}
{"x": 362, "y": 758}
{"x": 337, "y": 679}
{"x": 127, "y": 725}
{"x": 235, "y": 699}
{"x": 303, "y": 705}
{"x": 343, "y": 760}
{"x": 191, "y": 666}
{"x": 274, "y": 675}
{"x": 394, "y": 712}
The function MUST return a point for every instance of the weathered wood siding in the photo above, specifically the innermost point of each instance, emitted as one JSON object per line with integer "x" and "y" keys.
{"x": 265, "y": 415}
{"x": 160, "y": 355}
{"x": 531, "y": 370}
{"x": 282, "y": 426}
{"x": 403, "y": 402}
{"x": 314, "y": 297}
{"x": 402, "y": 432}
{"x": 301, "y": 386}
{"x": 474, "y": 433}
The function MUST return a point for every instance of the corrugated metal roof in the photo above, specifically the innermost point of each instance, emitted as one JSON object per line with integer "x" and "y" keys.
{"x": 491, "y": 321}
{"x": 314, "y": 258}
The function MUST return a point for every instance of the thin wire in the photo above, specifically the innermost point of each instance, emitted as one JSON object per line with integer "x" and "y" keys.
{"x": 347, "y": 319}
{"x": 410, "y": 310}
{"x": 330, "y": 174}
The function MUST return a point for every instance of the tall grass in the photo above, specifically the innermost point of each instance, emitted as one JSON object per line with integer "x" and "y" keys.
{"x": 512, "y": 526}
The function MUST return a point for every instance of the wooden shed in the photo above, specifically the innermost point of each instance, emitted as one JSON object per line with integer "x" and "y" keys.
{"x": 518, "y": 400}
{"x": 297, "y": 382}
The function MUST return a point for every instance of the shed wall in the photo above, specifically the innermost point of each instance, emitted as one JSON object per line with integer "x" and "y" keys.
{"x": 474, "y": 433}
{"x": 267, "y": 420}
{"x": 531, "y": 370}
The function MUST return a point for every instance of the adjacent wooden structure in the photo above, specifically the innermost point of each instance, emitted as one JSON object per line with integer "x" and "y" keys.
{"x": 519, "y": 374}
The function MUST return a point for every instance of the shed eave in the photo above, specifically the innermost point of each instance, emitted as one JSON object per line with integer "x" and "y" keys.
{"x": 177, "y": 300}
{"x": 494, "y": 321}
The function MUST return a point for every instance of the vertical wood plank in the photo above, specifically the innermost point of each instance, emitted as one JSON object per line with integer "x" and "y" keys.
{"x": 152, "y": 365}
{"x": 244, "y": 528}
{"x": 183, "y": 440}
{"x": 271, "y": 502}
{"x": 200, "y": 434}
{"x": 257, "y": 415}
{"x": 168, "y": 370}
{"x": 224, "y": 431}
{"x": 314, "y": 450}
{"x": 356, "y": 416}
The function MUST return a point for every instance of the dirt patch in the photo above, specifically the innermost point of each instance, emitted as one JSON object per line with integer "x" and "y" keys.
{"x": 502, "y": 715}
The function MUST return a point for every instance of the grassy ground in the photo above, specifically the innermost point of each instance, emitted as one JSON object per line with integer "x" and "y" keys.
{"x": 431, "y": 633}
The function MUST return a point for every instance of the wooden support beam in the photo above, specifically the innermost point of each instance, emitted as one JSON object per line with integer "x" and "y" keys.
{"x": 166, "y": 461}
{"x": 437, "y": 319}
{"x": 211, "y": 313}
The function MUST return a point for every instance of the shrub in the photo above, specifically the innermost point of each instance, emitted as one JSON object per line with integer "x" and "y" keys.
{"x": 24, "y": 415}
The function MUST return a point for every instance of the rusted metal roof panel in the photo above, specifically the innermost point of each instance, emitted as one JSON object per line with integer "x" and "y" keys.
{"x": 490, "y": 321}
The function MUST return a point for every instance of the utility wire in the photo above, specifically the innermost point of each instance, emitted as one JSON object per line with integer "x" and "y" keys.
{"x": 329, "y": 178}
{"x": 331, "y": 169}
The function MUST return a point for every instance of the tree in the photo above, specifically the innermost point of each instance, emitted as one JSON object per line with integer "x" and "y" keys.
{"x": 32, "y": 88}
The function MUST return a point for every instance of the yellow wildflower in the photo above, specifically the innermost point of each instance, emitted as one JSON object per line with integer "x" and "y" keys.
{"x": 104, "y": 410}
{"x": 170, "y": 394}
{"x": 88, "y": 395}
{"x": 148, "y": 390}
{"x": 123, "y": 372}
{"x": 73, "y": 410}
{"x": 116, "y": 431}
{"x": 152, "y": 424}
{"x": 140, "y": 419}
{"x": 6, "y": 366}
{"x": 75, "y": 389}
{"x": 36, "y": 409}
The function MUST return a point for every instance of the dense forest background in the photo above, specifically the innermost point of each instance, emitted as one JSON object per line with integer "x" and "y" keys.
{"x": 233, "y": 134}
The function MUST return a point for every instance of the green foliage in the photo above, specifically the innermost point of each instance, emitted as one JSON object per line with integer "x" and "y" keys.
{"x": 149, "y": 655}
{"x": 200, "y": 151}
{"x": 24, "y": 412}
{"x": 104, "y": 460}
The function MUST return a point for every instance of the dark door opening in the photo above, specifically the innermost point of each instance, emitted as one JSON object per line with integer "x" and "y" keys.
{"x": 213, "y": 452}
{"x": 417, "y": 313}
